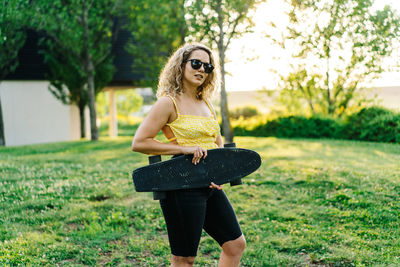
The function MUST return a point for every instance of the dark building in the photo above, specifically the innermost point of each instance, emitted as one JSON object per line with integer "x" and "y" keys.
{"x": 32, "y": 115}
{"x": 32, "y": 66}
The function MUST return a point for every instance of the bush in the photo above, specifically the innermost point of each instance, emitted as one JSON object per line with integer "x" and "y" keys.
{"x": 249, "y": 127}
{"x": 291, "y": 126}
{"x": 360, "y": 122}
{"x": 245, "y": 112}
{"x": 369, "y": 124}
{"x": 301, "y": 126}
{"x": 383, "y": 128}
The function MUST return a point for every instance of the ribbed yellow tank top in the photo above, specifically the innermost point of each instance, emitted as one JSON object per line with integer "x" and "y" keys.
{"x": 192, "y": 130}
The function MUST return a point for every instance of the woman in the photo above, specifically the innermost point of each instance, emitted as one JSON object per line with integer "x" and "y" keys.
{"x": 185, "y": 115}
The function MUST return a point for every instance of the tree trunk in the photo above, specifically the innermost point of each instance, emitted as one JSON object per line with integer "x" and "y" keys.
{"x": 307, "y": 94}
{"x": 82, "y": 118}
{"x": 226, "y": 124}
{"x": 328, "y": 92}
{"x": 2, "y": 137}
{"x": 91, "y": 100}
{"x": 310, "y": 104}
{"x": 90, "y": 79}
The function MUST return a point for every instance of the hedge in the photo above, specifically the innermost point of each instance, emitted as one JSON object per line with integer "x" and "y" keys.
{"x": 369, "y": 124}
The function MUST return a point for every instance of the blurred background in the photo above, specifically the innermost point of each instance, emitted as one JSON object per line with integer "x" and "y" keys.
{"x": 84, "y": 69}
{"x": 300, "y": 78}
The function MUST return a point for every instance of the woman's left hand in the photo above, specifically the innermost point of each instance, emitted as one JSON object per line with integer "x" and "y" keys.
{"x": 212, "y": 185}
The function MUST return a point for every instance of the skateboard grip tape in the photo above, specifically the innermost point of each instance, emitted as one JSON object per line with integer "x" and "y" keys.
{"x": 158, "y": 195}
{"x": 238, "y": 181}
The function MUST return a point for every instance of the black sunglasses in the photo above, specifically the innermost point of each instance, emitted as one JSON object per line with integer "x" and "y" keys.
{"x": 196, "y": 64}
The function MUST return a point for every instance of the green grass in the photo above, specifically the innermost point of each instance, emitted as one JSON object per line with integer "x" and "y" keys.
{"x": 125, "y": 128}
{"x": 312, "y": 203}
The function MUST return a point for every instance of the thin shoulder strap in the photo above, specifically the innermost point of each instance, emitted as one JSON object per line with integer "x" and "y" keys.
{"x": 211, "y": 109}
{"x": 176, "y": 106}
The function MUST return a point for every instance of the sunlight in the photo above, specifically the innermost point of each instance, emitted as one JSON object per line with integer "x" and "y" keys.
{"x": 255, "y": 62}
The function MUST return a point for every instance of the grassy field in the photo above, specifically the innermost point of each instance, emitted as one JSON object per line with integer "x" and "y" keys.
{"x": 312, "y": 203}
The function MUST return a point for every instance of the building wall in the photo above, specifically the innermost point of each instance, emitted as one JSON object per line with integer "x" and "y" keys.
{"x": 32, "y": 115}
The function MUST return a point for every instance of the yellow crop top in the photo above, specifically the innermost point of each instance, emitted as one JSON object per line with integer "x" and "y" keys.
{"x": 193, "y": 130}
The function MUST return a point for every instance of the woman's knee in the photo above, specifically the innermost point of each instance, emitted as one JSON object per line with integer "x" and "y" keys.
{"x": 179, "y": 260}
{"x": 234, "y": 247}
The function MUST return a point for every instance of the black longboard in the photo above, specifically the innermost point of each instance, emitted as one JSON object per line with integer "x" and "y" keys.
{"x": 222, "y": 165}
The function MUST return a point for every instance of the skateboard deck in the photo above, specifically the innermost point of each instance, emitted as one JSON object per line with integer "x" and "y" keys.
{"x": 222, "y": 165}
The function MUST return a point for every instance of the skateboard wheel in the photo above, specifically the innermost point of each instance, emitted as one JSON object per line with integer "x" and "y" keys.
{"x": 154, "y": 159}
{"x": 236, "y": 182}
{"x": 157, "y": 195}
{"x": 230, "y": 145}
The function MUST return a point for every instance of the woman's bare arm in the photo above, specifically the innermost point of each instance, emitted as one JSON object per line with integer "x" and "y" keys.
{"x": 157, "y": 118}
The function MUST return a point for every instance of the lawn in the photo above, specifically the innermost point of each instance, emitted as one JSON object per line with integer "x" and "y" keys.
{"x": 312, "y": 203}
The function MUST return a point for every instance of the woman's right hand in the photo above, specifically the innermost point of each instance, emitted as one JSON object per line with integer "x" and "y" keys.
{"x": 198, "y": 153}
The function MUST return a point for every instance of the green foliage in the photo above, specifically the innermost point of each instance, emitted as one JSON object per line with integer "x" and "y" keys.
{"x": 128, "y": 101}
{"x": 82, "y": 31}
{"x": 299, "y": 91}
{"x": 369, "y": 124}
{"x": 217, "y": 23}
{"x": 293, "y": 126}
{"x": 126, "y": 126}
{"x": 245, "y": 112}
{"x": 312, "y": 202}
{"x": 102, "y": 104}
{"x": 13, "y": 17}
{"x": 345, "y": 48}
{"x": 374, "y": 124}
{"x": 358, "y": 121}
{"x": 384, "y": 128}
{"x": 79, "y": 29}
{"x": 300, "y": 126}
{"x": 67, "y": 82}
{"x": 249, "y": 127}
{"x": 158, "y": 27}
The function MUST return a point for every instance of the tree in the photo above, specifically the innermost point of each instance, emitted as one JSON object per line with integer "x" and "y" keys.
{"x": 12, "y": 38}
{"x": 218, "y": 22}
{"x": 81, "y": 28}
{"x": 128, "y": 101}
{"x": 339, "y": 47}
{"x": 158, "y": 28}
{"x": 299, "y": 89}
{"x": 68, "y": 84}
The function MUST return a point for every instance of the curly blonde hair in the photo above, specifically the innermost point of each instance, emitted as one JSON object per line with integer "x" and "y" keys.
{"x": 171, "y": 77}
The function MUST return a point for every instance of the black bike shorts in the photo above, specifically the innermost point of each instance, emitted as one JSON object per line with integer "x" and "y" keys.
{"x": 188, "y": 211}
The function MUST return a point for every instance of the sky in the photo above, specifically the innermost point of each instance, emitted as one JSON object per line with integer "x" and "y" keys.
{"x": 252, "y": 56}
